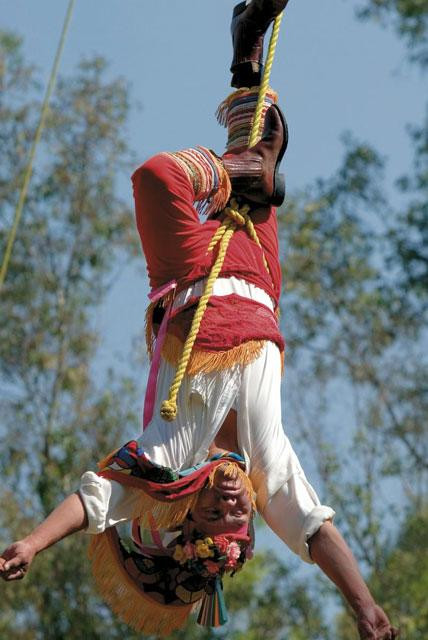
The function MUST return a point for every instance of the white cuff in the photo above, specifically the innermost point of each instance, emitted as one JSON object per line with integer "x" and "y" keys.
{"x": 107, "y": 502}
{"x": 312, "y": 523}
{"x": 95, "y": 492}
{"x": 295, "y": 514}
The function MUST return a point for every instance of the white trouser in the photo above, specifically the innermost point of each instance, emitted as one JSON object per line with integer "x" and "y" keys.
{"x": 285, "y": 498}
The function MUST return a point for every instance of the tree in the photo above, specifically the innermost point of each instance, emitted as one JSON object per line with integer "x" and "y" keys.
{"x": 355, "y": 312}
{"x": 410, "y": 239}
{"x": 410, "y": 20}
{"x": 56, "y": 421}
{"x": 404, "y": 582}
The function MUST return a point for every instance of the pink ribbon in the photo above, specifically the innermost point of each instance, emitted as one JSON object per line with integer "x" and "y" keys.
{"x": 150, "y": 397}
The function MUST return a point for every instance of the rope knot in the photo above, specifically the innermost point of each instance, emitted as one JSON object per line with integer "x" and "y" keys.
{"x": 236, "y": 216}
{"x": 168, "y": 410}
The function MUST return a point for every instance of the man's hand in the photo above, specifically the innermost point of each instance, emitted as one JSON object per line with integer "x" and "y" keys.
{"x": 329, "y": 550}
{"x": 373, "y": 624}
{"x": 15, "y": 560}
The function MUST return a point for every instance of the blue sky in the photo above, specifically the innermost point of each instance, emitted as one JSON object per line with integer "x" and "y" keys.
{"x": 332, "y": 73}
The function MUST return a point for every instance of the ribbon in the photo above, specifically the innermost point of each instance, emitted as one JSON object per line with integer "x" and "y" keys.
{"x": 150, "y": 396}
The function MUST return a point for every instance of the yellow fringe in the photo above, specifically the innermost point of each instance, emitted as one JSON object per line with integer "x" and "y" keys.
{"x": 221, "y": 197}
{"x": 166, "y": 514}
{"x": 208, "y": 361}
{"x": 104, "y": 462}
{"x": 150, "y": 337}
{"x": 125, "y": 598}
{"x": 223, "y": 108}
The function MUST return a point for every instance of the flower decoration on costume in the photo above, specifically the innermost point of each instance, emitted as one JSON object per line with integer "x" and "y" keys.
{"x": 222, "y": 543}
{"x": 233, "y": 553}
{"x": 189, "y": 550}
{"x": 210, "y": 556}
{"x": 212, "y": 567}
{"x": 179, "y": 554}
{"x": 203, "y": 548}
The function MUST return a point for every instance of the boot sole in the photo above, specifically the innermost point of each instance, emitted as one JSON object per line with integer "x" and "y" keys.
{"x": 278, "y": 194}
{"x": 238, "y": 9}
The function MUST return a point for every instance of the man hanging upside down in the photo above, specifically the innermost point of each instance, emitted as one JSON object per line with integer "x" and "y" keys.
{"x": 191, "y": 486}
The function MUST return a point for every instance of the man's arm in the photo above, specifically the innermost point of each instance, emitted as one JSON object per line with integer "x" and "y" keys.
{"x": 68, "y": 517}
{"x": 331, "y": 553}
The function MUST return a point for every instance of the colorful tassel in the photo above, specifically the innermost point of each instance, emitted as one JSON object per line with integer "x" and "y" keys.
{"x": 208, "y": 177}
{"x": 236, "y": 112}
{"x": 213, "y": 612}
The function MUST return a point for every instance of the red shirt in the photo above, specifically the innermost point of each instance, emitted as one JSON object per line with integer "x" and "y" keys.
{"x": 175, "y": 245}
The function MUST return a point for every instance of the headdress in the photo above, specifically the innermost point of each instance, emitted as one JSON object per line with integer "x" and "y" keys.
{"x": 154, "y": 578}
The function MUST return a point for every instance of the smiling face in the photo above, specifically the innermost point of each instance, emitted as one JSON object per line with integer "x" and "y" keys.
{"x": 223, "y": 508}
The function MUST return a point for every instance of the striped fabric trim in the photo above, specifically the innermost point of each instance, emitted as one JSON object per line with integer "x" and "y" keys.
{"x": 236, "y": 112}
{"x": 209, "y": 179}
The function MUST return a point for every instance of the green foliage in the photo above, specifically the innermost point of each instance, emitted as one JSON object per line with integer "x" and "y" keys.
{"x": 410, "y": 238}
{"x": 55, "y": 421}
{"x": 355, "y": 312}
{"x": 402, "y": 582}
{"x": 410, "y": 19}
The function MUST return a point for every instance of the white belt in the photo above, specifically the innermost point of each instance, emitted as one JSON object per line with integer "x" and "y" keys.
{"x": 224, "y": 287}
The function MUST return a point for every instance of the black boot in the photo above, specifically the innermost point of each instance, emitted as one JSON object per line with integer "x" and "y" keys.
{"x": 249, "y": 25}
{"x": 254, "y": 172}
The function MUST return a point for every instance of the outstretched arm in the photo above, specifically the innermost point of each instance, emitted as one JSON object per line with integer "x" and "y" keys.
{"x": 68, "y": 517}
{"x": 331, "y": 553}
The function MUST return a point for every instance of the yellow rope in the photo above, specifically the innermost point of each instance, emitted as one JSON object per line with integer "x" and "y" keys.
{"x": 256, "y": 126}
{"x": 169, "y": 407}
{"x": 219, "y": 233}
{"x": 37, "y": 136}
{"x": 234, "y": 217}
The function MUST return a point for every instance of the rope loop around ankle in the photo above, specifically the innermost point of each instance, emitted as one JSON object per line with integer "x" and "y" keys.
{"x": 256, "y": 126}
{"x": 239, "y": 217}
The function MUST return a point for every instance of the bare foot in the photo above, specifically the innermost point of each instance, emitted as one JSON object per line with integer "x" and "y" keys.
{"x": 16, "y": 559}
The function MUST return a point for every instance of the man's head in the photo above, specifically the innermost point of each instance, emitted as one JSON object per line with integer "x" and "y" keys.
{"x": 165, "y": 582}
{"x": 218, "y": 537}
{"x": 226, "y": 504}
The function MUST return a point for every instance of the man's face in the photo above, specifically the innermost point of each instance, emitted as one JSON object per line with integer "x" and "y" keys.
{"x": 223, "y": 508}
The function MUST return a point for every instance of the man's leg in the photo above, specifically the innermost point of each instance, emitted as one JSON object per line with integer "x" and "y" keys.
{"x": 249, "y": 25}
{"x": 166, "y": 188}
